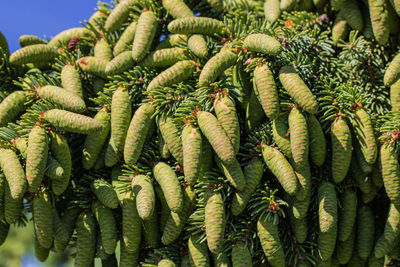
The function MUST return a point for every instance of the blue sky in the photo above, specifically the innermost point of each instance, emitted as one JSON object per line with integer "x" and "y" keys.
{"x": 42, "y": 17}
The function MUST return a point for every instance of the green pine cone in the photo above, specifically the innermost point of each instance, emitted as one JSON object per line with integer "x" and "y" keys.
{"x": 121, "y": 109}
{"x": 365, "y": 231}
{"x": 3, "y": 184}
{"x": 328, "y": 210}
{"x": 34, "y": 54}
{"x": 233, "y": 173}
{"x": 364, "y": 132}
{"x": 380, "y": 20}
{"x": 11, "y": 106}
{"x": 102, "y": 50}
{"x": 198, "y": 45}
{"x": 347, "y": 214}
{"x": 121, "y": 63}
{"x": 61, "y": 151}
{"x": 172, "y": 41}
{"x": 317, "y": 141}
{"x": 351, "y": 12}
{"x": 105, "y": 193}
{"x": 394, "y": 96}
{"x": 375, "y": 262}
{"x": 363, "y": 164}
{"x": 253, "y": 173}
{"x": 339, "y": 30}
{"x": 392, "y": 73}
{"x": 71, "y": 80}
{"x": 269, "y": 238}
{"x": 125, "y": 40}
{"x": 128, "y": 258}
{"x": 131, "y": 225}
{"x": 165, "y": 211}
{"x": 300, "y": 207}
{"x": 297, "y": 89}
{"x": 43, "y": 219}
{"x": 303, "y": 175}
{"x": 345, "y": 249}
{"x": 207, "y": 159}
{"x": 66, "y": 99}
{"x": 298, "y": 137}
{"x": 12, "y": 207}
{"x": 390, "y": 172}
{"x": 172, "y": 138}
{"x": 119, "y": 15}
{"x": 72, "y": 122}
{"x": 198, "y": 252}
{"x": 170, "y": 185}
{"x": 94, "y": 142}
{"x": 214, "y": 221}
{"x": 281, "y": 168}
{"x": 36, "y": 157}
{"x": 107, "y": 225}
{"x": 272, "y": 10}
{"x": 64, "y": 37}
{"x": 216, "y": 135}
{"x": 138, "y": 131}
{"x": 54, "y": 170}
{"x": 175, "y": 222}
{"x": 299, "y": 227}
{"x": 13, "y": 172}
{"x": 226, "y": 113}
{"x": 85, "y": 239}
{"x": 361, "y": 179}
{"x": 391, "y": 233}
{"x": 151, "y": 231}
{"x": 163, "y": 58}
{"x": 4, "y": 44}
{"x": 61, "y": 234}
{"x": 145, "y": 196}
{"x": 327, "y": 243}
{"x": 145, "y": 31}
{"x": 177, "y": 8}
{"x": 69, "y": 217}
{"x": 199, "y": 25}
{"x": 216, "y": 65}
{"x": 41, "y": 252}
{"x": 263, "y": 43}
{"x": 221, "y": 260}
{"x": 265, "y": 88}
{"x": 166, "y": 263}
{"x": 341, "y": 149}
{"x": 94, "y": 66}
{"x": 192, "y": 153}
{"x": 241, "y": 256}
{"x": 179, "y": 72}
{"x": 280, "y": 133}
